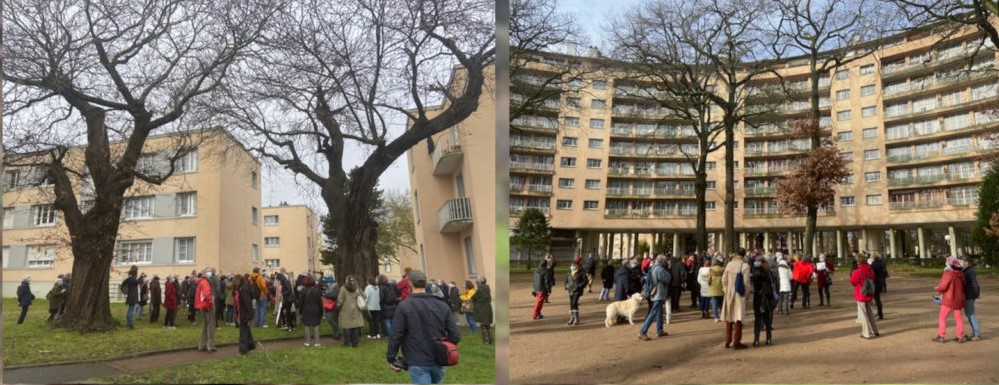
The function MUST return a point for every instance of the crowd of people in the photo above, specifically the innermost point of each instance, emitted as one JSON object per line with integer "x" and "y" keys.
{"x": 720, "y": 287}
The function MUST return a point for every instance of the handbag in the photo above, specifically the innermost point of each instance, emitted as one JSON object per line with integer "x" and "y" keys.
{"x": 868, "y": 288}
{"x": 466, "y": 307}
{"x": 329, "y": 304}
{"x": 740, "y": 285}
{"x": 445, "y": 352}
{"x": 362, "y": 303}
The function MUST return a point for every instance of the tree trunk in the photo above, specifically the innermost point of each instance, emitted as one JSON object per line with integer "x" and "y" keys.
{"x": 88, "y": 307}
{"x": 809, "y": 231}
{"x": 812, "y": 212}
{"x": 701, "y": 185}
{"x": 357, "y": 236}
{"x": 730, "y": 239}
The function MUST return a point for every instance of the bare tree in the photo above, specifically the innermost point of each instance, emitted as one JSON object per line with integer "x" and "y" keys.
{"x": 333, "y": 81}
{"x": 93, "y": 73}
{"x": 979, "y": 14}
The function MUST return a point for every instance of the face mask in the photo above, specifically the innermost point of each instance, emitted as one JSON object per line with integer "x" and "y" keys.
{"x": 208, "y": 274}
{"x": 757, "y": 263}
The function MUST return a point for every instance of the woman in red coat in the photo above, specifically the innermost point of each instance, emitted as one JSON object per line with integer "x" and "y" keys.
{"x": 803, "y": 271}
{"x": 863, "y": 271}
{"x": 170, "y": 302}
{"x": 951, "y": 288}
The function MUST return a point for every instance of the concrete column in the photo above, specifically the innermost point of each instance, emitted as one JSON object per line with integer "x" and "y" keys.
{"x": 742, "y": 241}
{"x": 720, "y": 242}
{"x": 953, "y": 240}
{"x": 922, "y": 242}
{"x": 676, "y": 243}
{"x": 619, "y": 238}
{"x": 601, "y": 241}
{"x": 634, "y": 243}
{"x": 766, "y": 242}
{"x": 891, "y": 243}
{"x": 839, "y": 244}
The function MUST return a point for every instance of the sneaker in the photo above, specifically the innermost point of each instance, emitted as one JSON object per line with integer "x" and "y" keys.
{"x": 975, "y": 338}
{"x": 960, "y": 340}
{"x": 939, "y": 339}
{"x": 316, "y": 344}
{"x": 308, "y": 344}
{"x": 644, "y": 337}
{"x": 717, "y": 320}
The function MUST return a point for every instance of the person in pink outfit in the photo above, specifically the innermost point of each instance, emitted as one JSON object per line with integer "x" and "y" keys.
{"x": 951, "y": 289}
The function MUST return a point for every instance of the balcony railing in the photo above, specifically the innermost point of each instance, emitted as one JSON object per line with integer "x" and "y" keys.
{"x": 447, "y": 156}
{"x": 455, "y": 215}
{"x": 930, "y": 179}
{"x": 674, "y": 192}
{"x": 757, "y": 191}
{"x": 539, "y": 188}
{"x": 532, "y": 166}
{"x": 532, "y": 144}
{"x": 761, "y": 211}
{"x": 910, "y": 205}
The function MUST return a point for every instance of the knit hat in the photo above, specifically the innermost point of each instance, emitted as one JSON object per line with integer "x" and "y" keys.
{"x": 417, "y": 276}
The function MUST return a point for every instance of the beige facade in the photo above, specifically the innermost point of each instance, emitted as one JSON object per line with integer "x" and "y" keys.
{"x": 607, "y": 166}
{"x": 206, "y": 215}
{"x": 291, "y": 239}
{"x": 452, "y": 183}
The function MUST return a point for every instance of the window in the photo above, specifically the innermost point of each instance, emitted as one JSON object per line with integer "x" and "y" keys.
{"x": 593, "y": 184}
{"x": 867, "y": 69}
{"x": 41, "y": 256}
{"x": 566, "y": 183}
{"x": 12, "y": 179}
{"x": 470, "y": 256}
{"x": 253, "y": 179}
{"x": 272, "y": 241}
{"x": 138, "y": 208}
{"x": 735, "y": 165}
{"x": 187, "y": 204}
{"x": 253, "y": 214}
{"x": 868, "y": 111}
{"x": 709, "y": 206}
{"x": 843, "y": 94}
{"x": 849, "y": 179}
{"x": 187, "y": 163}
{"x": 255, "y": 252}
{"x": 43, "y": 215}
{"x": 271, "y": 220}
{"x": 872, "y": 154}
{"x": 568, "y": 161}
{"x": 596, "y": 143}
{"x": 591, "y": 205}
{"x": 272, "y": 263}
{"x": 6, "y": 256}
{"x": 846, "y": 155}
{"x": 571, "y": 121}
{"x": 874, "y": 200}
{"x": 708, "y": 166}
{"x": 843, "y": 115}
{"x": 867, "y": 90}
{"x": 711, "y": 185}
{"x": 596, "y": 123}
{"x": 871, "y": 132}
{"x": 847, "y": 201}
{"x": 148, "y": 164}
{"x": 598, "y": 103}
{"x": 570, "y": 141}
{"x": 593, "y": 163}
{"x": 573, "y": 102}
{"x": 600, "y": 84}
{"x": 840, "y": 75}
{"x": 845, "y": 136}
{"x": 8, "y": 217}
{"x": 564, "y": 204}
{"x": 130, "y": 252}
{"x": 872, "y": 176}
{"x": 183, "y": 250}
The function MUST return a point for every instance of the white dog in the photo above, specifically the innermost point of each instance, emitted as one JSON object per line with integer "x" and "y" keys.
{"x": 626, "y": 308}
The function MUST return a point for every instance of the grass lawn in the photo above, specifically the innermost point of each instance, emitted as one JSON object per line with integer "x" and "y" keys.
{"x": 35, "y": 342}
{"x": 330, "y": 363}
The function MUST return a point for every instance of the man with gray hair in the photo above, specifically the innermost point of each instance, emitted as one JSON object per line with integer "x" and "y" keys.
{"x": 656, "y": 290}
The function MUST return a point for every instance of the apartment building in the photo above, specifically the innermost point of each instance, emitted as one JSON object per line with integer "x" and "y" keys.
{"x": 291, "y": 238}
{"x": 453, "y": 182}
{"x": 607, "y": 166}
{"x": 207, "y": 213}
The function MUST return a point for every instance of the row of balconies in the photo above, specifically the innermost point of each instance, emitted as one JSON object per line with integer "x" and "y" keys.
{"x": 649, "y": 191}
{"x": 931, "y": 179}
{"x": 626, "y": 171}
{"x": 528, "y": 166}
{"x": 686, "y": 211}
{"x": 946, "y": 152}
{"x": 928, "y": 86}
{"x": 932, "y": 204}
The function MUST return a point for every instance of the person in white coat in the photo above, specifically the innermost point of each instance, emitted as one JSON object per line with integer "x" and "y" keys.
{"x": 703, "y": 279}
{"x": 373, "y": 300}
{"x": 784, "y": 272}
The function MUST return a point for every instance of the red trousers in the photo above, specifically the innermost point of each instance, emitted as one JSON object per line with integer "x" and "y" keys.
{"x": 542, "y": 296}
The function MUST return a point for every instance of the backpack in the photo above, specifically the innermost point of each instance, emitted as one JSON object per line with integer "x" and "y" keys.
{"x": 868, "y": 288}
{"x": 254, "y": 290}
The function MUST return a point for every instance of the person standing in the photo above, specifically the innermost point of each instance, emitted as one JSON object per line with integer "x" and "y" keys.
{"x": 880, "y": 280}
{"x": 333, "y": 317}
{"x": 971, "y": 292}
{"x": 218, "y": 288}
{"x": 453, "y": 302}
{"x": 243, "y": 313}
{"x": 388, "y": 300}
{"x": 717, "y": 289}
{"x": 575, "y": 284}
{"x": 734, "y": 306}
{"x": 784, "y": 277}
{"x": 192, "y": 287}
{"x": 351, "y": 319}
{"x": 311, "y": 301}
{"x": 704, "y": 283}
{"x": 170, "y": 302}
{"x": 204, "y": 302}
{"x": 418, "y": 322}
{"x": 482, "y": 307}
{"x": 658, "y": 283}
{"x": 284, "y": 291}
{"x": 549, "y": 278}
{"x": 257, "y": 279}
{"x": 56, "y": 296}
{"x": 371, "y": 292}
{"x": 803, "y": 271}
{"x": 143, "y": 295}
{"x": 678, "y": 273}
{"x": 590, "y": 268}
{"x": 541, "y": 287}
{"x": 823, "y": 273}
{"x": 607, "y": 276}
{"x": 230, "y": 300}
{"x": 764, "y": 290}
{"x": 25, "y": 297}
{"x": 692, "y": 285}
{"x": 468, "y": 306}
{"x": 130, "y": 287}
{"x": 951, "y": 288}
{"x": 404, "y": 287}
{"x": 863, "y": 272}
{"x": 155, "y": 299}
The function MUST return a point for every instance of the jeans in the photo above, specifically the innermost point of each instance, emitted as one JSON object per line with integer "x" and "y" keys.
{"x": 656, "y": 314}
{"x": 130, "y": 314}
{"x": 332, "y": 319}
{"x": 969, "y": 309}
{"x": 763, "y": 320}
{"x": 704, "y": 303}
{"x": 784, "y": 307}
{"x": 261, "y": 311}
{"x": 715, "y": 305}
{"x": 604, "y": 294}
{"x": 230, "y": 311}
{"x": 426, "y": 374}
{"x": 387, "y": 322}
{"x": 471, "y": 322}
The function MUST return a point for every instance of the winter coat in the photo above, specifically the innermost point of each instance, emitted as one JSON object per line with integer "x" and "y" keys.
{"x": 403, "y": 288}
{"x": 734, "y": 305}
{"x": 482, "y": 305}
{"x": 388, "y": 300}
{"x": 131, "y": 290}
{"x": 350, "y": 314}
{"x": 862, "y": 272}
{"x": 312, "y": 306}
{"x": 803, "y": 272}
{"x": 764, "y": 284}
{"x": 549, "y": 279}
{"x": 204, "y": 298}
{"x": 952, "y": 287}
{"x": 143, "y": 292}
{"x": 230, "y": 289}
{"x": 243, "y": 300}
{"x": 784, "y": 273}
{"x": 24, "y": 295}
{"x": 704, "y": 280}
{"x": 880, "y": 274}
{"x": 971, "y": 288}
{"x": 192, "y": 287}
{"x": 170, "y": 297}
{"x": 541, "y": 284}
{"x": 717, "y": 288}
{"x": 679, "y": 273}
{"x": 575, "y": 283}
{"x": 590, "y": 266}
{"x": 374, "y": 299}
{"x": 56, "y": 296}
{"x": 659, "y": 279}
{"x": 287, "y": 288}
{"x": 155, "y": 292}
{"x": 453, "y": 299}
{"x": 257, "y": 279}
{"x": 607, "y": 275}
{"x": 622, "y": 278}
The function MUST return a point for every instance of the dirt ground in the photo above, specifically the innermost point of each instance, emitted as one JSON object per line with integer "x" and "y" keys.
{"x": 817, "y": 345}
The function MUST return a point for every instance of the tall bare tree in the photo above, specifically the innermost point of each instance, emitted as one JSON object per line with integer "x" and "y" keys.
{"x": 92, "y": 73}
{"x": 330, "y": 89}
{"x": 980, "y": 14}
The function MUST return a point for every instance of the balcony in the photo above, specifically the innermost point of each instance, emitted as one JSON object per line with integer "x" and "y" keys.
{"x": 447, "y": 157}
{"x": 533, "y": 145}
{"x": 455, "y": 215}
{"x": 916, "y": 205}
{"x": 952, "y": 152}
{"x": 532, "y": 167}
{"x": 673, "y": 192}
{"x": 932, "y": 179}
{"x": 760, "y": 191}
{"x": 761, "y": 211}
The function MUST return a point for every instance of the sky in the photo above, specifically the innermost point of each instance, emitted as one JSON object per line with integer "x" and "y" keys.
{"x": 592, "y": 13}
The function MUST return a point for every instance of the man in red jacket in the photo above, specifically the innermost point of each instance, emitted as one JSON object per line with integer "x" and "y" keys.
{"x": 803, "y": 271}
{"x": 204, "y": 301}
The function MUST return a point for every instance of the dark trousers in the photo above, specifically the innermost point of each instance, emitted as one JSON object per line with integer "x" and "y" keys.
{"x": 574, "y": 302}
{"x": 674, "y": 296}
{"x": 154, "y": 313}
{"x": 52, "y": 314}
{"x": 824, "y": 291}
{"x": 695, "y": 295}
{"x": 171, "y": 316}
{"x": 331, "y": 318}
{"x": 246, "y": 342}
{"x": 24, "y": 312}
{"x": 374, "y": 328}
{"x": 806, "y": 295}
{"x": 764, "y": 320}
{"x": 794, "y": 292}
{"x": 190, "y": 311}
{"x": 877, "y": 300}
{"x": 287, "y": 315}
{"x": 351, "y": 337}
{"x": 219, "y": 309}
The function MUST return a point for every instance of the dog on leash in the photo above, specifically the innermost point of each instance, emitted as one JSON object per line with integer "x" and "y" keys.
{"x": 626, "y": 308}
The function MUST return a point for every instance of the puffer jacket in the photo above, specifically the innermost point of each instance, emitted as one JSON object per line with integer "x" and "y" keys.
{"x": 715, "y": 281}
{"x": 862, "y": 272}
{"x": 951, "y": 287}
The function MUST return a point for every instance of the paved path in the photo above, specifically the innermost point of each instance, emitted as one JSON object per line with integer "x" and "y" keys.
{"x": 57, "y": 374}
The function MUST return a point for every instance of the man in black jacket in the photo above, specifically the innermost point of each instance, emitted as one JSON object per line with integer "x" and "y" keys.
{"x": 542, "y": 287}
{"x": 880, "y": 274}
{"x": 679, "y": 273}
{"x": 130, "y": 286}
{"x": 420, "y": 320}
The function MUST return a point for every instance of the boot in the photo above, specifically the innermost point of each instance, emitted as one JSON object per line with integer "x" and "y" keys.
{"x": 737, "y": 336}
{"x": 728, "y": 334}
{"x": 575, "y": 317}
{"x": 572, "y": 317}
{"x": 485, "y": 334}
{"x": 489, "y": 330}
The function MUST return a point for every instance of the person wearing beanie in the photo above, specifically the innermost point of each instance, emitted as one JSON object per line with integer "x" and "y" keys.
{"x": 575, "y": 283}
{"x": 24, "y": 297}
{"x": 419, "y": 321}
{"x": 482, "y": 308}
{"x": 951, "y": 289}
